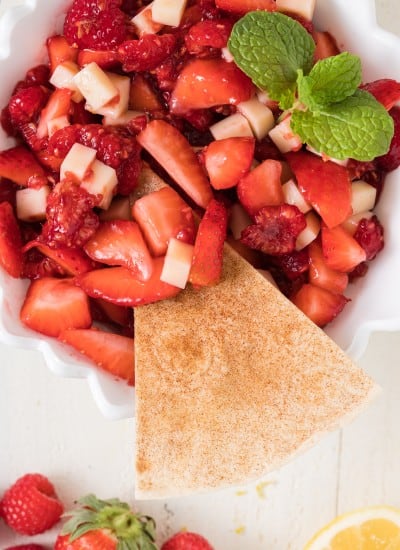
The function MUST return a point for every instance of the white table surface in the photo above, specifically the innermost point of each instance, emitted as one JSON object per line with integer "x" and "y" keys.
{"x": 52, "y": 425}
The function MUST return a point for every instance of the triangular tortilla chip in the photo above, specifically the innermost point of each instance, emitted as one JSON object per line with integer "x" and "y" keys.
{"x": 231, "y": 382}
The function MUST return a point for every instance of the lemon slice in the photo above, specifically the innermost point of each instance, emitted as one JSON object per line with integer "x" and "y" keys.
{"x": 371, "y": 528}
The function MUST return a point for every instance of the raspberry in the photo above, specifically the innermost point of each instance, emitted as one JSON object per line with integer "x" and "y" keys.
{"x": 391, "y": 160}
{"x": 38, "y": 75}
{"x": 99, "y": 25}
{"x": 31, "y": 506}
{"x": 275, "y": 230}
{"x": 207, "y": 37}
{"x": 369, "y": 235}
{"x": 26, "y": 104}
{"x": 293, "y": 264}
{"x": 146, "y": 53}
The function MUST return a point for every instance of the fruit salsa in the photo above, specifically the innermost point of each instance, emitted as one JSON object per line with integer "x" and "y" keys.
{"x": 263, "y": 131}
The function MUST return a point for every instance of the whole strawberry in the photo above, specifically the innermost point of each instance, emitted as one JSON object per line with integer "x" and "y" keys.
{"x": 106, "y": 525}
{"x": 31, "y": 506}
{"x": 184, "y": 540}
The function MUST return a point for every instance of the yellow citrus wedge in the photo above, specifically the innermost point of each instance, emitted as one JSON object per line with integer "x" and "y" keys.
{"x": 370, "y": 528}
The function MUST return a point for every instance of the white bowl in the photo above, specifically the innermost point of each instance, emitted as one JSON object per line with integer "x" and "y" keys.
{"x": 375, "y": 301}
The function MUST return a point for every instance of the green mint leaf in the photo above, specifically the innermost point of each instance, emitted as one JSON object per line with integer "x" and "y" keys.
{"x": 270, "y": 48}
{"x": 358, "y": 127}
{"x": 330, "y": 80}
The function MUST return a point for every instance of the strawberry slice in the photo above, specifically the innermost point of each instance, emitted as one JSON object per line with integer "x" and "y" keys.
{"x": 111, "y": 352}
{"x": 161, "y": 215}
{"x": 20, "y": 166}
{"x": 120, "y": 242}
{"x": 52, "y": 305}
{"x": 227, "y": 160}
{"x": 106, "y": 59}
{"x": 11, "y": 258}
{"x": 206, "y": 83}
{"x": 59, "y": 51}
{"x": 324, "y": 184}
{"x": 320, "y": 274}
{"x": 173, "y": 151}
{"x": 209, "y": 246}
{"x": 319, "y": 304}
{"x": 325, "y": 45}
{"x": 72, "y": 259}
{"x": 385, "y": 90}
{"x": 243, "y": 6}
{"x": 119, "y": 286}
{"x": 58, "y": 105}
{"x": 341, "y": 251}
{"x": 261, "y": 187}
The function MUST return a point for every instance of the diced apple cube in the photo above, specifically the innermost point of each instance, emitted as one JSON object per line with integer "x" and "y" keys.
{"x": 310, "y": 232}
{"x": 226, "y": 54}
{"x": 101, "y": 180}
{"x": 77, "y": 163}
{"x": 63, "y": 77}
{"x": 352, "y": 222}
{"x": 363, "y": 196}
{"x": 119, "y": 105}
{"x": 305, "y": 8}
{"x": 123, "y": 119}
{"x": 95, "y": 86}
{"x": 260, "y": 117}
{"x": 168, "y": 12}
{"x": 56, "y": 124}
{"x": 235, "y": 125}
{"x": 284, "y": 138}
{"x": 293, "y": 196}
{"x": 144, "y": 23}
{"x": 239, "y": 220}
{"x": 341, "y": 162}
{"x": 177, "y": 263}
{"x": 31, "y": 203}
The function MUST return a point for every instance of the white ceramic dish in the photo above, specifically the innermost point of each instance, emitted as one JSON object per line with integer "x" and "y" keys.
{"x": 375, "y": 299}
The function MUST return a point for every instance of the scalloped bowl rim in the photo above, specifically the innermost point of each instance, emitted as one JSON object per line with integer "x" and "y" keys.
{"x": 114, "y": 398}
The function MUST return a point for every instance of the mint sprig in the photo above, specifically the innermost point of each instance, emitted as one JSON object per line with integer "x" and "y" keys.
{"x": 329, "y": 112}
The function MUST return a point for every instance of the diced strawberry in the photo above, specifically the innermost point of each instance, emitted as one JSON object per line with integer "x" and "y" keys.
{"x": 72, "y": 260}
{"x": 37, "y": 265}
{"x": 341, "y": 251}
{"x": 20, "y": 166}
{"x": 111, "y": 352}
{"x": 320, "y": 274}
{"x": 59, "y": 50}
{"x": 10, "y": 241}
{"x": 369, "y": 235}
{"x": 120, "y": 242}
{"x": 391, "y": 160}
{"x": 275, "y": 230}
{"x": 111, "y": 312}
{"x": 385, "y": 90}
{"x": 161, "y": 215}
{"x": 206, "y": 83}
{"x": 207, "y": 36}
{"x": 52, "y": 305}
{"x": 58, "y": 105}
{"x": 173, "y": 152}
{"x": 8, "y": 190}
{"x": 261, "y": 187}
{"x": 325, "y": 45}
{"x": 319, "y": 304}
{"x": 228, "y": 160}
{"x": 142, "y": 96}
{"x": 95, "y": 24}
{"x": 26, "y": 104}
{"x": 324, "y": 184}
{"x": 209, "y": 246}
{"x": 106, "y": 59}
{"x": 119, "y": 286}
{"x": 146, "y": 53}
{"x": 244, "y": 6}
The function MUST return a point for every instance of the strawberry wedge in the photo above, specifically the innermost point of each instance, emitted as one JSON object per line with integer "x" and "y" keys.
{"x": 119, "y": 286}
{"x": 261, "y": 187}
{"x": 323, "y": 184}
{"x": 11, "y": 258}
{"x": 173, "y": 152}
{"x": 19, "y": 165}
{"x": 244, "y": 6}
{"x": 209, "y": 246}
{"x": 319, "y": 304}
{"x": 111, "y": 352}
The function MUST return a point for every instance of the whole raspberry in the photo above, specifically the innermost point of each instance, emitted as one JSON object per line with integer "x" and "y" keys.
{"x": 31, "y": 506}
{"x": 186, "y": 541}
